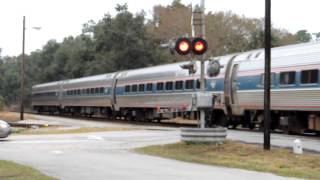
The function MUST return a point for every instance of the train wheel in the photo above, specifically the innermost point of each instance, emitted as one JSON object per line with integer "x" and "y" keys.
{"x": 128, "y": 116}
{"x": 252, "y": 126}
{"x": 140, "y": 116}
{"x": 222, "y": 120}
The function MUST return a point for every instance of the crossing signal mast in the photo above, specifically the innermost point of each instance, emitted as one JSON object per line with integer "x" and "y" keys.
{"x": 197, "y": 45}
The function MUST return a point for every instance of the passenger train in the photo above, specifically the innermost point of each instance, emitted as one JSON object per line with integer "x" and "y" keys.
{"x": 154, "y": 93}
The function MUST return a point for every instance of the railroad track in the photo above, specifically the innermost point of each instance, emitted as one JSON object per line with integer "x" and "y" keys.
{"x": 170, "y": 123}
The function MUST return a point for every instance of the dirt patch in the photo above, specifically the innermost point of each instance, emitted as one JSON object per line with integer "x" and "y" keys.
{"x": 13, "y": 117}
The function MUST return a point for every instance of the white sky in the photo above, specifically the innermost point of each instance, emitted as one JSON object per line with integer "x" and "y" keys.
{"x": 61, "y": 18}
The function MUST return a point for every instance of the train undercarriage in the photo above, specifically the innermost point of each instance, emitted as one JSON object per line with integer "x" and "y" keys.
{"x": 289, "y": 122}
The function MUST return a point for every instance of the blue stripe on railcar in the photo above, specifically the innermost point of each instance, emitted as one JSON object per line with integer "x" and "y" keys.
{"x": 214, "y": 84}
{"x": 254, "y": 83}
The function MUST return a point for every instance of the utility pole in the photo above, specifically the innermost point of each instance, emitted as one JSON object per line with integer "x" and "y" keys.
{"x": 267, "y": 41}
{"x": 22, "y": 71}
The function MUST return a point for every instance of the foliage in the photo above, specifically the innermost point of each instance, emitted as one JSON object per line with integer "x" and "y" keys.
{"x": 303, "y": 36}
{"x": 226, "y": 32}
{"x": 9, "y": 79}
{"x": 1, "y": 103}
{"x": 128, "y": 41}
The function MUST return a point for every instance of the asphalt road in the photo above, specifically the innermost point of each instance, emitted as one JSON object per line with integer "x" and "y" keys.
{"x": 280, "y": 140}
{"x": 109, "y": 155}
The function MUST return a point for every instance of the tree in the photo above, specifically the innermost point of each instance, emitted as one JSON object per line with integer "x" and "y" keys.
{"x": 303, "y": 36}
{"x": 123, "y": 42}
{"x": 317, "y": 35}
{"x": 1, "y": 103}
{"x": 226, "y": 32}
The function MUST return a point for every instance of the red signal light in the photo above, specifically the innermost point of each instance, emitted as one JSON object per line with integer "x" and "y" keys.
{"x": 199, "y": 46}
{"x": 183, "y": 46}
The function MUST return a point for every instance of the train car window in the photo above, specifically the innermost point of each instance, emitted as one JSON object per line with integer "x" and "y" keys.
{"x": 127, "y": 89}
{"x": 83, "y": 91}
{"x": 198, "y": 84}
{"x": 134, "y": 88}
{"x": 179, "y": 85}
{"x": 169, "y": 85}
{"x": 88, "y": 91}
{"x": 79, "y": 91}
{"x": 96, "y": 91}
{"x": 309, "y": 76}
{"x": 160, "y": 86}
{"x": 287, "y": 77}
{"x": 101, "y": 90}
{"x": 273, "y": 78}
{"x": 141, "y": 87}
{"x": 92, "y": 91}
{"x": 189, "y": 84}
{"x": 149, "y": 87}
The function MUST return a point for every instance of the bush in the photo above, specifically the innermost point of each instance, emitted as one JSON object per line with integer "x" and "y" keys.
{"x": 1, "y": 103}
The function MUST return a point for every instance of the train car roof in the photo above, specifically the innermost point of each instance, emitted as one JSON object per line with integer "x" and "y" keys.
{"x": 291, "y": 55}
{"x": 77, "y": 80}
{"x": 49, "y": 84}
{"x": 102, "y": 77}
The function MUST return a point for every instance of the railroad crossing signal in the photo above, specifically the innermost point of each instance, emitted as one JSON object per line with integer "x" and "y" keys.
{"x": 197, "y": 46}
{"x": 183, "y": 46}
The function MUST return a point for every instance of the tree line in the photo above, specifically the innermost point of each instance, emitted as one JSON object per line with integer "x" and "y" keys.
{"x": 128, "y": 41}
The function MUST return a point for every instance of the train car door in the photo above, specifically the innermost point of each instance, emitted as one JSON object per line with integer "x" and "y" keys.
{"x": 60, "y": 94}
{"x": 233, "y": 81}
{"x": 114, "y": 92}
{"x": 230, "y": 88}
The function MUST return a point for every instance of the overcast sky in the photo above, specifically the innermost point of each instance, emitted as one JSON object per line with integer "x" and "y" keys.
{"x": 61, "y": 18}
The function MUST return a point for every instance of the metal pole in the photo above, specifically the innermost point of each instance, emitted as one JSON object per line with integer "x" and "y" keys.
{"x": 267, "y": 115}
{"x": 202, "y": 76}
{"x": 22, "y": 71}
{"x": 203, "y": 22}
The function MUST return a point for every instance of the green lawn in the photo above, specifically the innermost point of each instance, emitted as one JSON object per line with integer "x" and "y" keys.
{"x": 244, "y": 156}
{"x": 14, "y": 171}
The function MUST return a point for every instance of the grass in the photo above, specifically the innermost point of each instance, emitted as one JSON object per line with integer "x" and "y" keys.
{"x": 14, "y": 171}
{"x": 12, "y": 116}
{"x": 244, "y": 156}
{"x": 43, "y": 131}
